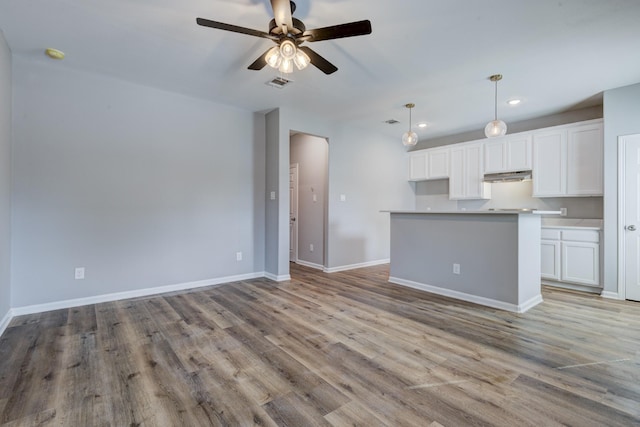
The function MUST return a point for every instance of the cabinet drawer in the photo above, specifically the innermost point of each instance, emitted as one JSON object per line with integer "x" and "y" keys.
{"x": 581, "y": 235}
{"x": 550, "y": 234}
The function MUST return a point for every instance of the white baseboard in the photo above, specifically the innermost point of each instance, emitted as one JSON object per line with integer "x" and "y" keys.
{"x": 5, "y": 321}
{"x": 354, "y": 266}
{"x": 310, "y": 264}
{"x": 38, "y": 308}
{"x": 520, "y": 308}
{"x": 277, "y": 278}
{"x": 611, "y": 295}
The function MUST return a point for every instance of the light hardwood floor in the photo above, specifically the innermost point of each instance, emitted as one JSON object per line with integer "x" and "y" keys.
{"x": 342, "y": 349}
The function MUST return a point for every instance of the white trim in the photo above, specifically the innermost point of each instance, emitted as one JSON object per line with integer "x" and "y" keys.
{"x": 621, "y": 291}
{"x": 354, "y": 266}
{"x": 310, "y": 264}
{"x": 38, "y": 308}
{"x": 521, "y": 308}
{"x": 4, "y": 323}
{"x": 277, "y": 278}
{"x": 611, "y": 295}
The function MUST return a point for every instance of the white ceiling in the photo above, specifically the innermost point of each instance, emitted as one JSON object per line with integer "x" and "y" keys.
{"x": 556, "y": 55}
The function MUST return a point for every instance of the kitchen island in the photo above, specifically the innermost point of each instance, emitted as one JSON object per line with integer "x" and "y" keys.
{"x": 486, "y": 257}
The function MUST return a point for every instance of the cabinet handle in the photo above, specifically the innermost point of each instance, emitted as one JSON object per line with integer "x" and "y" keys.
{"x": 631, "y": 227}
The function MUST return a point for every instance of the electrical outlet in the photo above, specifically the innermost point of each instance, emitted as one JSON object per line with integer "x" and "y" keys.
{"x": 238, "y": 256}
{"x": 79, "y": 273}
{"x": 456, "y": 268}
{"x": 315, "y": 198}
{"x": 343, "y": 197}
{"x": 273, "y": 195}
{"x": 311, "y": 247}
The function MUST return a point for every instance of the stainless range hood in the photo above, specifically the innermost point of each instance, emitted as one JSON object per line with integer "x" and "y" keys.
{"x": 508, "y": 176}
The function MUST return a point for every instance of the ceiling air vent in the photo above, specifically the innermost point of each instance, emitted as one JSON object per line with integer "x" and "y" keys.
{"x": 391, "y": 121}
{"x": 279, "y": 82}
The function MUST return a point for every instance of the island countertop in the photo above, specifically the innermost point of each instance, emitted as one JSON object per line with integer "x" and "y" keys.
{"x": 476, "y": 212}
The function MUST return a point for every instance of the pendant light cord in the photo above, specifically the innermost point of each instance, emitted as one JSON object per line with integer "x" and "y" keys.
{"x": 495, "y": 102}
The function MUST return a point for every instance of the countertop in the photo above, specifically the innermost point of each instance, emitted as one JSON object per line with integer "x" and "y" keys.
{"x": 479, "y": 212}
{"x": 593, "y": 224}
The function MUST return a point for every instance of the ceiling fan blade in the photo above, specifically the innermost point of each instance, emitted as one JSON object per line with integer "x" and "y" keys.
{"x": 234, "y": 28}
{"x": 317, "y": 60}
{"x": 259, "y": 63}
{"x": 351, "y": 29}
{"x": 282, "y": 13}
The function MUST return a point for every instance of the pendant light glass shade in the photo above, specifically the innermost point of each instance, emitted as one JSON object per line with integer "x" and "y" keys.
{"x": 409, "y": 138}
{"x": 495, "y": 127}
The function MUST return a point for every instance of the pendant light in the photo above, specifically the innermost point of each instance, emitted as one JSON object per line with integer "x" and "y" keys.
{"x": 495, "y": 127}
{"x": 410, "y": 138}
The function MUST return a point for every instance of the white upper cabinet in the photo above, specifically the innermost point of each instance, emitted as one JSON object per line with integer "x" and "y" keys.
{"x": 567, "y": 161}
{"x": 427, "y": 164}
{"x": 467, "y": 173}
{"x": 508, "y": 154}
{"x": 584, "y": 160}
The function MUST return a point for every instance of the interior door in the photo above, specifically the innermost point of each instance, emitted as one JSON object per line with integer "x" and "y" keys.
{"x": 293, "y": 212}
{"x": 631, "y": 216}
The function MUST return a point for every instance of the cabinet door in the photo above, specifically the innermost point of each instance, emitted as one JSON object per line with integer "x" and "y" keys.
{"x": 495, "y": 156}
{"x": 519, "y": 153}
{"x": 418, "y": 166}
{"x": 584, "y": 160}
{"x": 438, "y": 163}
{"x": 581, "y": 262}
{"x": 549, "y": 164}
{"x": 474, "y": 179}
{"x": 456, "y": 173}
{"x": 550, "y": 259}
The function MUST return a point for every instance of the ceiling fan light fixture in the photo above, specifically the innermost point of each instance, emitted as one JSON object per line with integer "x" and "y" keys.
{"x": 286, "y": 66}
{"x": 495, "y": 127}
{"x": 288, "y": 49}
{"x": 273, "y": 58}
{"x": 301, "y": 60}
{"x": 409, "y": 138}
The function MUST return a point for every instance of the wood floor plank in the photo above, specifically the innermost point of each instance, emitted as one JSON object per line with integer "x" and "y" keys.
{"x": 337, "y": 349}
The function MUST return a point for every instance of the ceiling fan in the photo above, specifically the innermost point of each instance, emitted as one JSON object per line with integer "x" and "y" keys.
{"x": 289, "y": 34}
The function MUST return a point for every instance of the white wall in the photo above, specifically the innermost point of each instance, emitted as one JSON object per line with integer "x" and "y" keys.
{"x": 621, "y": 117}
{"x": 5, "y": 178}
{"x": 311, "y": 154}
{"x": 141, "y": 187}
{"x": 509, "y": 195}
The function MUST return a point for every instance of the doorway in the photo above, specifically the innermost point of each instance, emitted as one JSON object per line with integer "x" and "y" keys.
{"x": 629, "y": 216}
{"x": 293, "y": 212}
{"x": 308, "y": 200}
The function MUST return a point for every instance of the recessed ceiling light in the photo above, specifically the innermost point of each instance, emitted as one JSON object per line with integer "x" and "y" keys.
{"x": 54, "y": 53}
{"x": 422, "y": 125}
{"x": 514, "y": 101}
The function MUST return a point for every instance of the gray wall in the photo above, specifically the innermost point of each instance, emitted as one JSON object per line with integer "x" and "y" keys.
{"x": 141, "y": 187}
{"x": 311, "y": 154}
{"x": 272, "y": 236}
{"x": 435, "y": 195}
{"x": 369, "y": 169}
{"x": 5, "y": 177}
{"x": 621, "y": 117}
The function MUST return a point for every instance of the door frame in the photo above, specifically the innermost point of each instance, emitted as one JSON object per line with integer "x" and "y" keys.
{"x": 622, "y": 150}
{"x": 296, "y": 167}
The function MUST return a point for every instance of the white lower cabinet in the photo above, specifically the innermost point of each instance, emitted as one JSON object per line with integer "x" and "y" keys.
{"x": 550, "y": 259}
{"x": 571, "y": 256}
